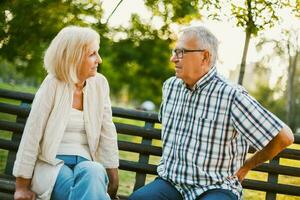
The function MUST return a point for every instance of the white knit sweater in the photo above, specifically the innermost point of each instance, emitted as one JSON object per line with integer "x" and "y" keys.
{"x": 45, "y": 126}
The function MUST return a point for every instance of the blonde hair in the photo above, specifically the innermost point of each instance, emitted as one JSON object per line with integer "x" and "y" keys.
{"x": 66, "y": 51}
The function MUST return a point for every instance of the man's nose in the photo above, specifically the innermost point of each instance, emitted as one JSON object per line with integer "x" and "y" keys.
{"x": 174, "y": 58}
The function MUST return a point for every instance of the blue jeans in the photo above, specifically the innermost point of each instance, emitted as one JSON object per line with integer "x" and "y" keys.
{"x": 160, "y": 189}
{"x": 217, "y": 194}
{"x": 80, "y": 179}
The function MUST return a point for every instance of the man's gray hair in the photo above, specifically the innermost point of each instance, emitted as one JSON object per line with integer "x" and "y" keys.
{"x": 206, "y": 40}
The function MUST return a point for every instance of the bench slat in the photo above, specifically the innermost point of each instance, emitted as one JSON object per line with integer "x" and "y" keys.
{"x": 9, "y": 145}
{"x": 14, "y": 109}
{"x": 12, "y": 126}
{"x": 271, "y": 187}
{"x": 22, "y": 96}
{"x": 7, "y": 185}
{"x": 137, "y": 167}
{"x": 149, "y": 133}
{"x": 278, "y": 169}
{"x": 140, "y": 148}
{"x": 135, "y": 114}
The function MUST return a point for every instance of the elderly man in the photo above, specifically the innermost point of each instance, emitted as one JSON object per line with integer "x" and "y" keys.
{"x": 207, "y": 127}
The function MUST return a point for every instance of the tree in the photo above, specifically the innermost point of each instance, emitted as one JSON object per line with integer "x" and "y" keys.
{"x": 28, "y": 26}
{"x": 287, "y": 48}
{"x": 139, "y": 62}
{"x": 251, "y": 15}
{"x": 265, "y": 96}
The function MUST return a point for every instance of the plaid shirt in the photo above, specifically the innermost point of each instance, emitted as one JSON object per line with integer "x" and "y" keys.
{"x": 206, "y": 133}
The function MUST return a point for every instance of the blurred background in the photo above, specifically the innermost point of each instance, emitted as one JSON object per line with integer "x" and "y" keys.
{"x": 259, "y": 48}
{"x": 259, "y": 45}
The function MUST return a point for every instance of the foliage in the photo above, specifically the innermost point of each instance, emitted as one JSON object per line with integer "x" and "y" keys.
{"x": 172, "y": 11}
{"x": 251, "y": 15}
{"x": 28, "y": 26}
{"x": 287, "y": 51}
{"x": 265, "y": 96}
{"x": 137, "y": 61}
{"x": 140, "y": 62}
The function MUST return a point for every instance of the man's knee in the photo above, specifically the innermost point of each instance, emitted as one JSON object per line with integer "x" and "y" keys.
{"x": 216, "y": 194}
{"x": 137, "y": 195}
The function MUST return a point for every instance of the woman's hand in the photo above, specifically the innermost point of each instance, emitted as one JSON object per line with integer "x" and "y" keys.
{"x": 22, "y": 190}
{"x": 24, "y": 194}
{"x": 113, "y": 182}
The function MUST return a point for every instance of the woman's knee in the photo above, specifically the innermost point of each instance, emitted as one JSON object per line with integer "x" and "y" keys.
{"x": 91, "y": 169}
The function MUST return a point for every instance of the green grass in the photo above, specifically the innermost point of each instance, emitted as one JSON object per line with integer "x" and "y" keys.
{"x": 19, "y": 88}
{"x": 127, "y": 179}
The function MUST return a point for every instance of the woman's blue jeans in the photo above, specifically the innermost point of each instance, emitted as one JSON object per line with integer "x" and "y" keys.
{"x": 80, "y": 179}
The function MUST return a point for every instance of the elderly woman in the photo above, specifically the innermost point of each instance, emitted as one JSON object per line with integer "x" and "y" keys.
{"x": 69, "y": 145}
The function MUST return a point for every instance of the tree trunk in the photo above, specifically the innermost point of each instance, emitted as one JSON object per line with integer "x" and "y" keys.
{"x": 290, "y": 90}
{"x": 244, "y": 58}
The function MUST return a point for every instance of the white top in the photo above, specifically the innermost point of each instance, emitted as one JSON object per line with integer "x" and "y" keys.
{"x": 47, "y": 122}
{"x": 74, "y": 141}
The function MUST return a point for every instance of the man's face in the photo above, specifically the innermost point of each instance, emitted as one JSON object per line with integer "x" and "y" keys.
{"x": 193, "y": 65}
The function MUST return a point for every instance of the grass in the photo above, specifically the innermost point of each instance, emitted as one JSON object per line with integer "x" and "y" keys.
{"x": 19, "y": 88}
{"x": 127, "y": 179}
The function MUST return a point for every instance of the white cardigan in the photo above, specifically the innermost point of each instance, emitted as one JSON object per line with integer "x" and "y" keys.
{"x": 45, "y": 126}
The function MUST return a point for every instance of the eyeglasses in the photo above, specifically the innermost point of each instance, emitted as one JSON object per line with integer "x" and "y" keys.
{"x": 179, "y": 52}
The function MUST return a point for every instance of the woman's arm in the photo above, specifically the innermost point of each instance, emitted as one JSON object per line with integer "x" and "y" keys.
{"x": 23, "y": 191}
{"x": 113, "y": 182}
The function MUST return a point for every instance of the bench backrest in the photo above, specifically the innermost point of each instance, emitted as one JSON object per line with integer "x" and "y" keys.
{"x": 140, "y": 146}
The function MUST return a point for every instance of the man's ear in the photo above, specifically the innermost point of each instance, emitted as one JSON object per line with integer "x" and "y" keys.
{"x": 206, "y": 57}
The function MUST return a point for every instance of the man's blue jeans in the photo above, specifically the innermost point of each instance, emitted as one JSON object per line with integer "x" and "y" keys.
{"x": 160, "y": 189}
{"x": 80, "y": 179}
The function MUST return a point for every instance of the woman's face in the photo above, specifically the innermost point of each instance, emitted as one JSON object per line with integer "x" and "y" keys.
{"x": 90, "y": 62}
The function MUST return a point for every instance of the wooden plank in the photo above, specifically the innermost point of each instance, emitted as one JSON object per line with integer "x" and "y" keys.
{"x": 16, "y": 138}
{"x": 14, "y": 109}
{"x": 137, "y": 167}
{"x": 140, "y": 148}
{"x": 135, "y": 114}
{"x": 140, "y": 178}
{"x": 12, "y": 126}
{"x": 6, "y": 196}
{"x": 278, "y": 169}
{"x": 272, "y": 178}
{"x": 148, "y": 133}
{"x": 271, "y": 187}
{"x": 25, "y": 97}
{"x": 9, "y": 145}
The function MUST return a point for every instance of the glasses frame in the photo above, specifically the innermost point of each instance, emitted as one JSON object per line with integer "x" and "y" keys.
{"x": 180, "y": 52}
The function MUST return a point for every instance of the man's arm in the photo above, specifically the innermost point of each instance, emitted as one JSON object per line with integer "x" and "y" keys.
{"x": 283, "y": 139}
{"x": 113, "y": 182}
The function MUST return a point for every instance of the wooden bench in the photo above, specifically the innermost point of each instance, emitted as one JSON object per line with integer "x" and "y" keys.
{"x": 139, "y": 144}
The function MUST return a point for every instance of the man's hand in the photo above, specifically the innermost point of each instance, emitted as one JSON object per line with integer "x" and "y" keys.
{"x": 24, "y": 194}
{"x": 283, "y": 139}
{"x": 242, "y": 172}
